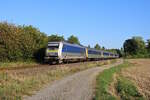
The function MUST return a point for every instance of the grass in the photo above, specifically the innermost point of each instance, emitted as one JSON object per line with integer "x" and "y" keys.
{"x": 17, "y": 64}
{"x": 14, "y": 84}
{"x": 103, "y": 81}
{"x": 125, "y": 88}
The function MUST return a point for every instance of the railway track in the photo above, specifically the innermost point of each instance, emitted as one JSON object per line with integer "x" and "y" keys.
{"x": 70, "y": 64}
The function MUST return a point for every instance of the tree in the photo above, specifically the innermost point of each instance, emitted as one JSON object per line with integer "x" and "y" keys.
{"x": 103, "y": 48}
{"x": 112, "y": 50}
{"x": 134, "y": 46}
{"x": 97, "y": 46}
{"x": 89, "y": 46}
{"x": 148, "y": 46}
{"x": 119, "y": 52}
{"x": 32, "y": 41}
{"x": 73, "y": 39}
{"x": 122, "y": 52}
{"x": 20, "y": 42}
{"x": 55, "y": 38}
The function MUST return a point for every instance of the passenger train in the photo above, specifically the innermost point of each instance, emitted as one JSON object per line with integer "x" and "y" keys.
{"x": 64, "y": 52}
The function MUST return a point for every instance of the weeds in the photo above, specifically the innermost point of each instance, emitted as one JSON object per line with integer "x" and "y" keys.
{"x": 127, "y": 90}
{"x": 16, "y": 64}
{"x": 103, "y": 81}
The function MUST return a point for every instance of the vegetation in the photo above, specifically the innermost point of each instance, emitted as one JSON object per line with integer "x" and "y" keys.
{"x": 135, "y": 47}
{"x": 125, "y": 88}
{"x": 103, "y": 48}
{"x": 16, "y": 83}
{"x": 20, "y": 42}
{"x": 55, "y": 38}
{"x": 25, "y": 43}
{"x": 97, "y": 46}
{"x": 73, "y": 39}
{"x": 148, "y": 47}
{"x": 103, "y": 81}
{"x": 89, "y": 46}
{"x": 17, "y": 65}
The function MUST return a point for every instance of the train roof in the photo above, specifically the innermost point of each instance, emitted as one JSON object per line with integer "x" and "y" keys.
{"x": 77, "y": 45}
{"x": 81, "y": 46}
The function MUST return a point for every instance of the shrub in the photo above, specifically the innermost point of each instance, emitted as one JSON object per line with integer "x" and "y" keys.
{"x": 20, "y": 42}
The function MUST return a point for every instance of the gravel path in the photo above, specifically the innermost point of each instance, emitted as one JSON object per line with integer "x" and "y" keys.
{"x": 79, "y": 86}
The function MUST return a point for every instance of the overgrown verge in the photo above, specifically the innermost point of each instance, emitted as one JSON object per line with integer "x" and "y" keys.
{"x": 16, "y": 83}
{"x": 125, "y": 88}
{"x": 18, "y": 64}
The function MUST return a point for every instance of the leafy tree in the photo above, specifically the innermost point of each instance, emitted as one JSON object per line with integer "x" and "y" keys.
{"x": 20, "y": 42}
{"x": 55, "y": 38}
{"x": 73, "y": 39}
{"x": 135, "y": 46}
{"x": 130, "y": 47}
{"x": 32, "y": 42}
{"x": 148, "y": 47}
{"x": 97, "y": 46}
{"x": 9, "y": 42}
{"x": 89, "y": 46}
{"x": 122, "y": 52}
{"x": 119, "y": 52}
{"x": 112, "y": 50}
{"x": 103, "y": 48}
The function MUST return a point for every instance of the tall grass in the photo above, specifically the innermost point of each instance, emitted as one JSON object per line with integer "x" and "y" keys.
{"x": 127, "y": 90}
{"x": 104, "y": 79}
{"x": 17, "y": 64}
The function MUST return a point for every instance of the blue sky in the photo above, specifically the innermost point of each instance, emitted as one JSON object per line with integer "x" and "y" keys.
{"x": 107, "y": 22}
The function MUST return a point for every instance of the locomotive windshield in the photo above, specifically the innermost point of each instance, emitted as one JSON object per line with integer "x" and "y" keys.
{"x": 53, "y": 46}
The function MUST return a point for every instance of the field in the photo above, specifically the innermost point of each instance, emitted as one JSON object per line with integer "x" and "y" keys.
{"x": 140, "y": 75}
{"x": 23, "y": 79}
{"x": 128, "y": 81}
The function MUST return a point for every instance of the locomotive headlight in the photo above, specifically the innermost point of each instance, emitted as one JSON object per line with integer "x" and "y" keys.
{"x": 46, "y": 52}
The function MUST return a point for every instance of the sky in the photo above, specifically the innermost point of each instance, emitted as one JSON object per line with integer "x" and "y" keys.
{"x": 107, "y": 22}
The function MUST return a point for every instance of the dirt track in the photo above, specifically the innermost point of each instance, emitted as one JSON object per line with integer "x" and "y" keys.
{"x": 78, "y": 86}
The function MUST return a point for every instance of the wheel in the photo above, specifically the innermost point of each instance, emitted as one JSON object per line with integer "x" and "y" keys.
{"x": 59, "y": 61}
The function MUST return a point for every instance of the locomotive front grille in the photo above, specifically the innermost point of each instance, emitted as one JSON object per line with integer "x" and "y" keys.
{"x": 52, "y": 54}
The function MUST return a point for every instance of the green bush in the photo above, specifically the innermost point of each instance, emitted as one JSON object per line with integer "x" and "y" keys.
{"x": 20, "y": 42}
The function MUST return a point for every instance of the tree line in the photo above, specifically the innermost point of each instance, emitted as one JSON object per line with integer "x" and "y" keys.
{"x": 136, "y": 47}
{"x": 22, "y": 43}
